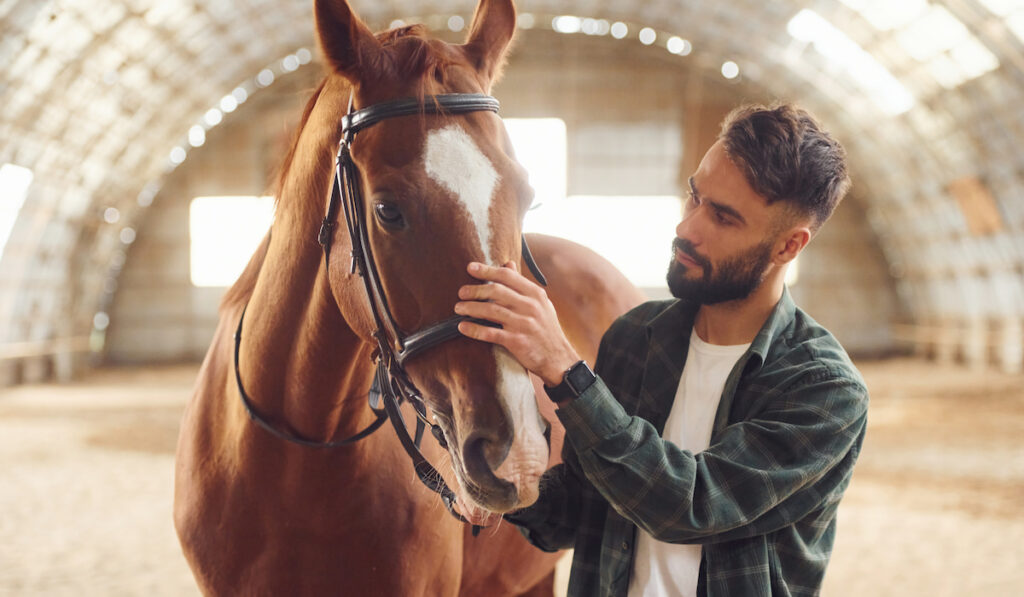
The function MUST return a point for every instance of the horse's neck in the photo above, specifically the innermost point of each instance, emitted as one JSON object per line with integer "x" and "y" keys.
{"x": 301, "y": 364}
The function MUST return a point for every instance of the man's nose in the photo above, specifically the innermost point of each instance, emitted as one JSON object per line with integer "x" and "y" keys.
{"x": 686, "y": 228}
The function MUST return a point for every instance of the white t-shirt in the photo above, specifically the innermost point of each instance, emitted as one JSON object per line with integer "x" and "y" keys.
{"x": 667, "y": 569}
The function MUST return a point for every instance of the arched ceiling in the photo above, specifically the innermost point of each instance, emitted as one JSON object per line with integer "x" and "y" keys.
{"x": 102, "y": 99}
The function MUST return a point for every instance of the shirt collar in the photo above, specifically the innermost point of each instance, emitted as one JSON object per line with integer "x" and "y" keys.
{"x": 782, "y": 315}
{"x": 680, "y": 316}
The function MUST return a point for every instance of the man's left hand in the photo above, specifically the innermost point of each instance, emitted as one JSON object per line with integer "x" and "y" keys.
{"x": 529, "y": 325}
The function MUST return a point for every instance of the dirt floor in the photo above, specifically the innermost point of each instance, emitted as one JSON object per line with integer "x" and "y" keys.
{"x": 936, "y": 506}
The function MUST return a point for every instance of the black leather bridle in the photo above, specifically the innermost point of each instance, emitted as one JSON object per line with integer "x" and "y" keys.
{"x": 391, "y": 381}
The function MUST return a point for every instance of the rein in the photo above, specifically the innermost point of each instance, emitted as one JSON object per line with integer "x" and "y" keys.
{"x": 391, "y": 382}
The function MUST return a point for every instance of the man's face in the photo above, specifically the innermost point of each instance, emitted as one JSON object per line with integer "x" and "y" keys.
{"x": 723, "y": 246}
{"x": 732, "y": 278}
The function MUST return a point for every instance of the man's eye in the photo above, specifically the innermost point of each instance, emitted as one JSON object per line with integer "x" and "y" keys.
{"x": 388, "y": 213}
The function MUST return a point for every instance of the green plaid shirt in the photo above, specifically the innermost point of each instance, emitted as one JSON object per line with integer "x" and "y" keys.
{"x": 761, "y": 500}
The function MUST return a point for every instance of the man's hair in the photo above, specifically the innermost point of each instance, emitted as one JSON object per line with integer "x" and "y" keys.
{"x": 785, "y": 155}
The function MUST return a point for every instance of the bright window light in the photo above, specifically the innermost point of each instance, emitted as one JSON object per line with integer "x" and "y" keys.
{"x": 14, "y": 184}
{"x": 456, "y": 23}
{"x": 887, "y": 92}
{"x": 946, "y": 72}
{"x": 933, "y": 35}
{"x": 936, "y": 31}
{"x": 1003, "y": 7}
{"x": 678, "y": 45}
{"x": 225, "y": 231}
{"x": 974, "y": 58}
{"x": 1016, "y": 24}
{"x": 540, "y": 145}
{"x": 634, "y": 233}
{"x": 887, "y": 14}
{"x": 567, "y": 24}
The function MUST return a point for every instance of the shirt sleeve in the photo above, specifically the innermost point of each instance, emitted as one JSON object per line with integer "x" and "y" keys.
{"x": 553, "y": 521}
{"x": 792, "y": 458}
{"x": 550, "y": 523}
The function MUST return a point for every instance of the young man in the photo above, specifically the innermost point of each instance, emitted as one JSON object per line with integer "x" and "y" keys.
{"x": 709, "y": 453}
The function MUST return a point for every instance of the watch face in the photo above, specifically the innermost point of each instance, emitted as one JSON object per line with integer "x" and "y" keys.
{"x": 579, "y": 377}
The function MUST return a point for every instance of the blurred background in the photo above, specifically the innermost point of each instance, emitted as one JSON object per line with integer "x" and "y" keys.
{"x": 138, "y": 140}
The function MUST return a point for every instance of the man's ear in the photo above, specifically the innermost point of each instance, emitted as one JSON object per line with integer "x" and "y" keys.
{"x": 349, "y": 46}
{"x": 791, "y": 243}
{"x": 493, "y": 26}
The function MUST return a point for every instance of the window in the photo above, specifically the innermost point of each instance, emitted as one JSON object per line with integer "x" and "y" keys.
{"x": 633, "y": 232}
{"x": 14, "y": 184}
{"x": 225, "y": 232}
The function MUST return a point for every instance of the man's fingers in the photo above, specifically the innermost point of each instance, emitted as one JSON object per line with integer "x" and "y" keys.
{"x": 496, "y": 293}
{"x": 504, "y": 275}
{"x": 489, "y": 311}
{"x": 483, "y": 332}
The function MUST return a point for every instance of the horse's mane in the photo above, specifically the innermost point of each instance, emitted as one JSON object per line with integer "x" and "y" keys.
{"x": 242, "y": 288}
{"x": 285, "y": 166}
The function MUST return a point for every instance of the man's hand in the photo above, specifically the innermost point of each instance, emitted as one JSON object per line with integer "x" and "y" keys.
{"x": 529, "y": 325}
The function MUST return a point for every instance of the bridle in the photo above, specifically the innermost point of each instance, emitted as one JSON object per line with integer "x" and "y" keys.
{"x": 391, "y": 381}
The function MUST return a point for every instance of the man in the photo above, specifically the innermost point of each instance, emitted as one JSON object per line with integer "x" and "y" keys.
{"x": 709, "y": 454}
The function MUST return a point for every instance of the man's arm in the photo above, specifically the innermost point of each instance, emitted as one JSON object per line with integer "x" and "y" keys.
{"x": 758, "y": 476}
{"x": 552, "y": 522}
{"x": 762, "y": 474}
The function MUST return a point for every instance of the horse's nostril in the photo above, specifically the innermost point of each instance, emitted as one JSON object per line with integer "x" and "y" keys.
{"x": 482, "y": 449}
{"x": 481, "y": 455}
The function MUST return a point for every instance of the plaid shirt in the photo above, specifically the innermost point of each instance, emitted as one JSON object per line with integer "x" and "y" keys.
{"x": 761, "y": 500}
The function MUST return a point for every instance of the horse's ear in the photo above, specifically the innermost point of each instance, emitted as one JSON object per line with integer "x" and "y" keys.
{"x": 348, "y": 45}
{"x": 494, "y": 24}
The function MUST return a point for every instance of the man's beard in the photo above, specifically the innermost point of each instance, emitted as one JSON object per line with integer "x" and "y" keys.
{"x": 733, "y": 279}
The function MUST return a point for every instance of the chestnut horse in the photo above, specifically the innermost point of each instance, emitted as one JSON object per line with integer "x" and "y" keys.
{"x": 259, "y": 515}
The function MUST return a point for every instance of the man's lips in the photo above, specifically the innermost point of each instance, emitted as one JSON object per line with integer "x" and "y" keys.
{"x": 685, "y": 259}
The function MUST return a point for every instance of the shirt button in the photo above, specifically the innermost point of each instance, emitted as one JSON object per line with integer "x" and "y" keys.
{"x": 625, "y": 546}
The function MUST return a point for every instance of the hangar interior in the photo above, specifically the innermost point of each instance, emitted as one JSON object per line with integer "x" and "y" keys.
{"x": 118, "y": 114}
{"x": 135, "y": 131}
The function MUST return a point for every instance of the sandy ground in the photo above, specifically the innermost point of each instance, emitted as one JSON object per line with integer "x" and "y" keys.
{"x": 936, "y": 506}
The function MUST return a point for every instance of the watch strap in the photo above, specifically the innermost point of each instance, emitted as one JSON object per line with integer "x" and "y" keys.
{"x": 575, "y": 381}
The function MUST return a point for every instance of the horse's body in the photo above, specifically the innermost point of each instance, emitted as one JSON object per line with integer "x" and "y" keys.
{"x": 258, "y": 515}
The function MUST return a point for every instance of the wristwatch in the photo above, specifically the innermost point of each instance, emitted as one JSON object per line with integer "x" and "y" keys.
{"x": 575, "y": 380}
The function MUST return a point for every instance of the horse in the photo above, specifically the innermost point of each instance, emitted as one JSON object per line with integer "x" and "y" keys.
{"x": 283, "y": 484}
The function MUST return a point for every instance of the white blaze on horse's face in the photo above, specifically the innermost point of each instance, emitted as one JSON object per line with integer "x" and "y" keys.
{"x": 454, "y": 161}
{"x": 528, "y": 456}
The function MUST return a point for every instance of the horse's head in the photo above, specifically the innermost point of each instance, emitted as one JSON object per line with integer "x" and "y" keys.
{"x": 438, "y": 192}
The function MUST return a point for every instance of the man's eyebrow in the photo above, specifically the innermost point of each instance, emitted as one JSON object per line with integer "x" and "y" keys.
{"x": 717, "y": 206}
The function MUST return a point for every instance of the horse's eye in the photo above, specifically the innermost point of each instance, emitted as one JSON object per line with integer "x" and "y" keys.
{"x": 388, "y": 214}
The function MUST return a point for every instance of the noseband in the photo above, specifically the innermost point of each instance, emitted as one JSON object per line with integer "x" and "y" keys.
{"x": 391, "y": 381}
